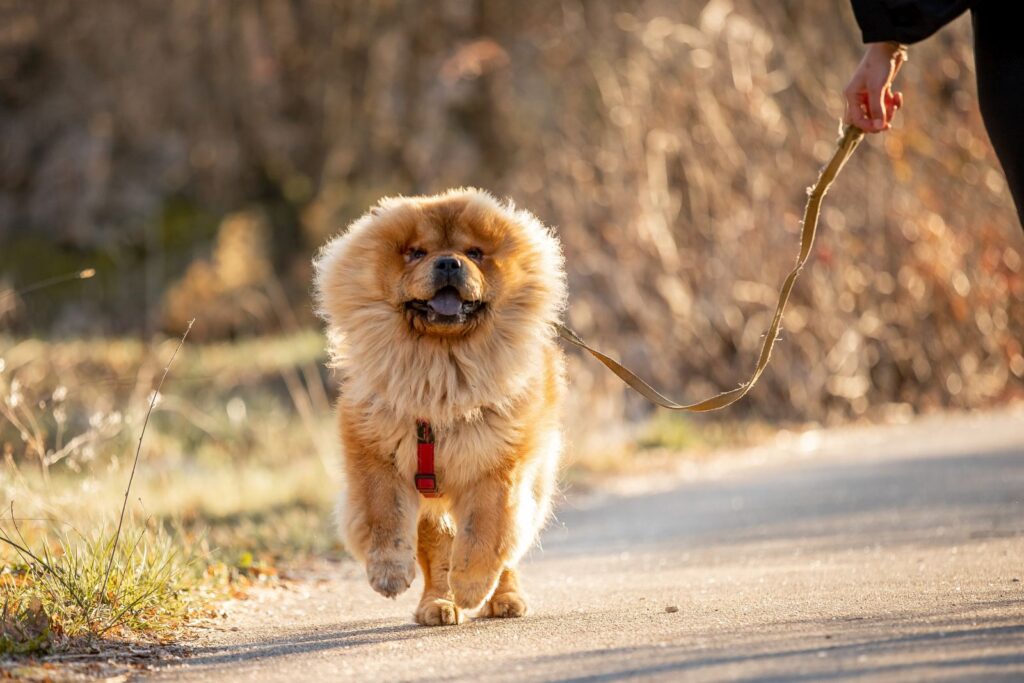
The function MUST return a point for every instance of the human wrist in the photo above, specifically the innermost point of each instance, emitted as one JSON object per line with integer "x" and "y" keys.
{"x": 889, "y": 49}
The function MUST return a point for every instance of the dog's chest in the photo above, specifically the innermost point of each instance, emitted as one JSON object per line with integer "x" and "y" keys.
{"x": 462, "y": 451}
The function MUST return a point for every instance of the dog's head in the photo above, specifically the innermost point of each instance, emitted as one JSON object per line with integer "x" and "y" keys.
{"x": 447, "y": 277}
{"x": 451, "y": 266}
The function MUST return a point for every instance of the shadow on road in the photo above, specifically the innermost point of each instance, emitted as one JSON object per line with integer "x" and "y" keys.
{"x": 951, "y": 651}
{"x": 348, "y": 635}
{"x": 925, "y": 645}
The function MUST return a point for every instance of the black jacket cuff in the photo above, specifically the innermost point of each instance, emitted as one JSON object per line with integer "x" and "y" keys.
{"x": 905, "y": 21}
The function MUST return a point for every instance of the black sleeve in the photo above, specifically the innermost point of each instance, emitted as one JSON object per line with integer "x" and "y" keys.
{"x": 905, "y": 21}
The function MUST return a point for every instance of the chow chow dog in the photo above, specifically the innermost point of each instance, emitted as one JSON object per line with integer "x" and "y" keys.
{"x": 440, "y": 313}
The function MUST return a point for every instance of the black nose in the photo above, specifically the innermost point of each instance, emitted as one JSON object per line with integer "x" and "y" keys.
{"x": 448, "y": 265}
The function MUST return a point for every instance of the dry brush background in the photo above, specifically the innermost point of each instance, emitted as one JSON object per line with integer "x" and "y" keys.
{"x": 670, "y": 142}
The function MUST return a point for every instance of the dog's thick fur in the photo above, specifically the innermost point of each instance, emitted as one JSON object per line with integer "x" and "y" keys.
{"x": 489, "y": 379}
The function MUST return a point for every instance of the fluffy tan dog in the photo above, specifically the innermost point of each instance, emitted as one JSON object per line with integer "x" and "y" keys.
{"x": 440, "y": 310}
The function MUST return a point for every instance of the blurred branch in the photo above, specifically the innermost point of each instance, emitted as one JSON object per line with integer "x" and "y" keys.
{"x": 85, "y": 274}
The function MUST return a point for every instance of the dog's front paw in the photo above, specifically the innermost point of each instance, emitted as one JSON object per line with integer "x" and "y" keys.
{"x": 470, "y": 588}
{"x": 504, "y": 606}
{"x": 438, "y": 612}
{"x": 391, "y": 575}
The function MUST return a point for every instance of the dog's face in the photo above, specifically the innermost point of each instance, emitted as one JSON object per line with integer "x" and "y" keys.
{"x": 450, "y": 266}
{"x": 448, "y": 276}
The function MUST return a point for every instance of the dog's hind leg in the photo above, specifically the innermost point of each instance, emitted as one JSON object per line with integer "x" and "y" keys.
{"x": 434, "y": 552}
{"x": 508, "y": 599}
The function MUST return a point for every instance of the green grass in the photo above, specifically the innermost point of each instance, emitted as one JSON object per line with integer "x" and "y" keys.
{"x": 57, "y": 593}
{"x": 670, "y": 430}
{"x": 688, "y": 434}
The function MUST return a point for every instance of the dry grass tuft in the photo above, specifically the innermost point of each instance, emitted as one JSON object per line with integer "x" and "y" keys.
{"x": 61, "y": 595}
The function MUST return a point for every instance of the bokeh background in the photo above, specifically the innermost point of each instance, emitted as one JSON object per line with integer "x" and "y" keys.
{"x": 668, "y": 142}
{"x": 196, "y": 153}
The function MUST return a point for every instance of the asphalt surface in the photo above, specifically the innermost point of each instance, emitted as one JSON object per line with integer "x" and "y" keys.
{"x": 891, "y": 553}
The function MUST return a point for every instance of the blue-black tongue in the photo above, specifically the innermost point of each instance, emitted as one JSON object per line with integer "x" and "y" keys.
{"x": 446, "y": 302}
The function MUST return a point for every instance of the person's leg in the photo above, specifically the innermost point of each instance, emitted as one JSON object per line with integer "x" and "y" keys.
{"x": 999, "y": 59}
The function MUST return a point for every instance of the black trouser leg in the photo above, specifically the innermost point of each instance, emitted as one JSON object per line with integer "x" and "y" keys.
{"x": 999, "y": 59}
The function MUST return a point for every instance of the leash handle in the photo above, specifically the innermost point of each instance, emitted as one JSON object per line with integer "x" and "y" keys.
{"x": 845, "y": 146}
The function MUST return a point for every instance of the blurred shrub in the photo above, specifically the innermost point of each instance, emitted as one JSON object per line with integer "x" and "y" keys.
{"x": 670, "y": 142}
{"x": 225, "y": 294}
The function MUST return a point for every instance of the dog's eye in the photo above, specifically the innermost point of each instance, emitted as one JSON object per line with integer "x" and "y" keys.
{"x": 475, "y": 254}
{"x": 415, "y": 254}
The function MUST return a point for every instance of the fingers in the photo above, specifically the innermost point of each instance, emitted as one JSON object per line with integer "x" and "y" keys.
{"x": 860, "y": 114}
{"x": 895, "y": 103}
{"x": 856, "y": 112}
{"x": 872, "y": 112}
{"x": 891, "y": 102}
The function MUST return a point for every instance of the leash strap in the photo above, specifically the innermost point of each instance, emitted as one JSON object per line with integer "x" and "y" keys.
{"x": 425, "y": 478}
{"x": 847, "y": 143}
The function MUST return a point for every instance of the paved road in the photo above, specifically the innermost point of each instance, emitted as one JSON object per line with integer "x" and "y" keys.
{"x": 892, "y": 553}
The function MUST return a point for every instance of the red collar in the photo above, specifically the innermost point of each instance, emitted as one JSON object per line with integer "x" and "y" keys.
{"x": 425, "y": 479}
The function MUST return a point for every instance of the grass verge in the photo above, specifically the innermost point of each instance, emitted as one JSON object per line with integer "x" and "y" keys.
{"x": 87, "y": 586}
{"x": 91, "y": 583}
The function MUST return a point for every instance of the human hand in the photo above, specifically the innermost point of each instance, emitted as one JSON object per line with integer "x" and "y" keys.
{"x": 870, "y": 102}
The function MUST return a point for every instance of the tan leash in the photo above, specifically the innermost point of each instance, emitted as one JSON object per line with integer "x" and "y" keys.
{"x": 851, "y": 136}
